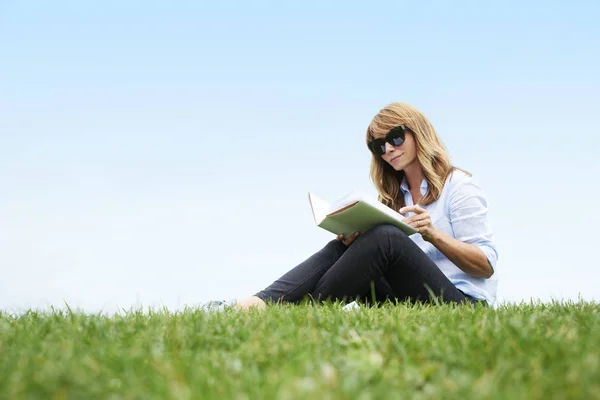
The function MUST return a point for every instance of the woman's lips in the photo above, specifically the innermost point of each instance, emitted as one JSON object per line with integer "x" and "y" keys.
{"x": 395, "y": 158}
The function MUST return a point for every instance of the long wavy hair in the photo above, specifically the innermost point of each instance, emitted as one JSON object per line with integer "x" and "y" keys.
{"x": 432, "y": 155}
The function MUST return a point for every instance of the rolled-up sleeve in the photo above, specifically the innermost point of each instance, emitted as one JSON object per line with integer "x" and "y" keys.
{"x": 468, "y": 215}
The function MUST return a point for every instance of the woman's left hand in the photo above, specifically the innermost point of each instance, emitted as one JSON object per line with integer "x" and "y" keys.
{"x": 421, "y": 221}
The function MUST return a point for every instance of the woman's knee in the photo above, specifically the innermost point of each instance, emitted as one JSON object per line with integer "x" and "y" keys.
{"x": 336, "y": 247}
{"x": 386, "y": 231}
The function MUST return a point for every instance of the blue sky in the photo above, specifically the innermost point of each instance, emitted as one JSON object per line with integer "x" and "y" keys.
{"x": 161, "y": 153}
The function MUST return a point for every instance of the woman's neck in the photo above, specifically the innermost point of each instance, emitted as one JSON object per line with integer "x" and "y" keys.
{"x": 414, "y": 176}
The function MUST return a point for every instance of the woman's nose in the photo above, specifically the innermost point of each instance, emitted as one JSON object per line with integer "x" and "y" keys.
{"x": 388, "y": 147}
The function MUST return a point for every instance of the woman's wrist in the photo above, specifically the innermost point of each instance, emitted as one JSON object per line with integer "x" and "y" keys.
{"x": 465, "y": 256}
{"x": 432, "y": 236}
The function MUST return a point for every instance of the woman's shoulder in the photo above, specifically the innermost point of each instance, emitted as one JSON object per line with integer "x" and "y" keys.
{"x": 458, "y": 176}
{"x": 460, "y": 180}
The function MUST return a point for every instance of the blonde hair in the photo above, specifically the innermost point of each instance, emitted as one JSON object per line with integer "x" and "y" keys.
{"x": 432, "y": 155}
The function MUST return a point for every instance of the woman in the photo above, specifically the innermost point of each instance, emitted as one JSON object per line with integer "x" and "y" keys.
{"x": 452, "y": 258}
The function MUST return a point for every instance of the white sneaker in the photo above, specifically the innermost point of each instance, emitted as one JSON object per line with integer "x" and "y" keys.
{"x": 218, "y": 305}
{"x": 351, "y": 306}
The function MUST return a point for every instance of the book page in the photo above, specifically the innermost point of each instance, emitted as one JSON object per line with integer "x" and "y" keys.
{"x": 352, "y": 197}
{"x": 383, "y": 208}
{"x": 355, "y": 196}
{"x": 318, "y": 206}
{"x": 363, "y": 216}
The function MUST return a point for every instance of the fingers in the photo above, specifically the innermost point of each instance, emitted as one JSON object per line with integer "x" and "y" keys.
{"x": 352, "y": 238}
{"x": 417, "y": 209}
{"x": 423, "y": 223}
{"x": 415, "y": 218}
{"x": 418, "y": 222}
{"x": 348, "y": 241}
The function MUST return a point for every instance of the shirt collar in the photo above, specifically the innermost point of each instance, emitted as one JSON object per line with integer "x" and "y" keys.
{"x": 404, "y": 186}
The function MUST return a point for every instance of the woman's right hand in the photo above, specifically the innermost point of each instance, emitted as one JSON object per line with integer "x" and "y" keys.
{"x": 348, "y": 241}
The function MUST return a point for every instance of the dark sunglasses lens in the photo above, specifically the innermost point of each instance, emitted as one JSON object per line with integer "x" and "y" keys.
{"x": 396, "y": 138}
{"x": 378, "y": 146}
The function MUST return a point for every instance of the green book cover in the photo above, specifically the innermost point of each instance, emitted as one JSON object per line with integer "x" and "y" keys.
{"x": 354, "y": 212}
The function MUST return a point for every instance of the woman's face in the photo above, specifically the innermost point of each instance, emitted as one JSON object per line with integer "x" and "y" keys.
{"x": 400, "y": 157}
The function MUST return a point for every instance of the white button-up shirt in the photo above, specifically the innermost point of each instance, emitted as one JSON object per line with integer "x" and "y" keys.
{"x": 461, "y": 212}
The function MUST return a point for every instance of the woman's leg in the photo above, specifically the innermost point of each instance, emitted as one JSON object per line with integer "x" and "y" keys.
{"x": 385, "y": 252}
{"x": 302, "y": 279}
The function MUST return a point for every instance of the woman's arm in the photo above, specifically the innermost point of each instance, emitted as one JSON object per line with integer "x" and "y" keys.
{"x": 470, "y": 247}
{"x": 465, "y": 256}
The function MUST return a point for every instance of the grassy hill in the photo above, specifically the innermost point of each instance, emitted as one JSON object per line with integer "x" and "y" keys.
{"x": 535, "y": 351}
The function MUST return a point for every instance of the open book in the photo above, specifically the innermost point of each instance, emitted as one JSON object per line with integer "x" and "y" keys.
{"x": 354, "y": 212}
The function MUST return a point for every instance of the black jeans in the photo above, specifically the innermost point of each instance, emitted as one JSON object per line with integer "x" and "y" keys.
{"x": 381, "y": 264}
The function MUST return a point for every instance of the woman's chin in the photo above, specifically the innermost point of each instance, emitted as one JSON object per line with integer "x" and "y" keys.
{"x": 397, "y": 166}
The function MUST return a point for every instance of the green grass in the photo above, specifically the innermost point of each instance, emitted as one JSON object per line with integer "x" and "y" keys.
{"x": 549, "y": 351}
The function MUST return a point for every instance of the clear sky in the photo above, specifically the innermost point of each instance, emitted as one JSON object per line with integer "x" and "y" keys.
{"x": 160, "y": 153}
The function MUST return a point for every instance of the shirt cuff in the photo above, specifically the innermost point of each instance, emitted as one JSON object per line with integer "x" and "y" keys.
{"x": 490, "y": 254}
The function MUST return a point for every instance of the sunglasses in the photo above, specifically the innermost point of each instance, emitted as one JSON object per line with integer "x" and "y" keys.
{"x": 395, "y": 137}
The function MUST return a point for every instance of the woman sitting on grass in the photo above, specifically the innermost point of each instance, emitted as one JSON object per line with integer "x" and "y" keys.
{"x": 451, "y": 258}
